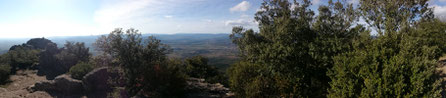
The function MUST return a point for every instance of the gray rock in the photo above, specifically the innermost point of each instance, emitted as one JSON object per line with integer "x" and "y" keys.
{"x": 96, "y": 82}
{"x": 62, "y": 84}
{"x": 3, "y": 90}
{"x": 200, "y": 89}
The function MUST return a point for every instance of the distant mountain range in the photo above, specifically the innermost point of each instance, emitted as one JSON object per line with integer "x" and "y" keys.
{"x": 217, "y": 47}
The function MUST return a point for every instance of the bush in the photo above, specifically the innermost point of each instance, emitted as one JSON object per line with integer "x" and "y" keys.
{"x": 80, "y": 70}
{"x": 4, "y": 72}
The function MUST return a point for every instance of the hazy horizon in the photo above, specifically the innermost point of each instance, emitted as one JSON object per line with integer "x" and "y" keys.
{"x": 46, "y": 18}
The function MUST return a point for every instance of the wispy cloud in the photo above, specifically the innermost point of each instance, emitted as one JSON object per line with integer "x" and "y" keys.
{"x": 241, "y": 7}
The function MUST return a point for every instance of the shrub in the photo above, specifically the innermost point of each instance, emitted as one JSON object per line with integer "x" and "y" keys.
{"x": 80, "y": 70}
{"x": 4, "y": 72}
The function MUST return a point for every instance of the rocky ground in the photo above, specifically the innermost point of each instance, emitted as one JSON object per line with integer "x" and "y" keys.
{"x": 27, "y": 84}
{"x": 18, "y": 87}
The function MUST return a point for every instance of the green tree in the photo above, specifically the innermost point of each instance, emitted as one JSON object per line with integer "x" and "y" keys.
{"x": 400, "y": 61}
{"x": 73, "y": 53}
{"x": 293, "y": 49}
{"x": 22, "y": 57}
{"x": 5, "y": 68}
{"x": 146, "y": 69}
{"x": 198, "y": 67}
{"x": 5, "y": 71}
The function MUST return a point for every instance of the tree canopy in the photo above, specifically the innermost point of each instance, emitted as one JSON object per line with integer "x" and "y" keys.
{"x": 296, "y": 53}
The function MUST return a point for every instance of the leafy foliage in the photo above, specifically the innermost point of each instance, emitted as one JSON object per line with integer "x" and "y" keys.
{"x": 5, "y": 71}
{"x": 79, "y": 70}
{"x": 292, "y": 52}
{"x": 400, "y": 62}
{"x": 22, "y": 57}
{"x": 147, "y": 70}
{"x": 198, "y": 67}
{"x": 26, "y": 56}
{"x": 298, "y": 54}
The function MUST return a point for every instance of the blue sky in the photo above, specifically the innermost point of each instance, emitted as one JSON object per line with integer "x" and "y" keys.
{"x": 45, "y": 18}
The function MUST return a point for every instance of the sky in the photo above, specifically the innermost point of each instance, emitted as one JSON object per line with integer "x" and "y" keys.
{"x": 46, "y": 18}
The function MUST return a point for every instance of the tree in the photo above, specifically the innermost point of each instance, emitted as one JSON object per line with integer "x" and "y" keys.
{"x": 72, "y": 54}
{"x": 55, "y": 61}
{"x": 26, "y": 56}
{"x": 198, "y": 67}
{"x": 5, "y": 69}
{"x": 293, "y": 50}
{"x": 399, "y": 62}
{"x": 146, "y": 69}
{"x": 22, "y": 57}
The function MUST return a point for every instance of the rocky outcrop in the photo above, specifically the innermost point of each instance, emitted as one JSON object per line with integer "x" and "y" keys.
{"x": 62, "y": 84}
{"x": 199, "y": 89}
{"x": 96, "y": 82}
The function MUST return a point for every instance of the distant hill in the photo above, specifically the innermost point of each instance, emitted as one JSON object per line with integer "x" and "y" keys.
{"x": 217, "y": 47}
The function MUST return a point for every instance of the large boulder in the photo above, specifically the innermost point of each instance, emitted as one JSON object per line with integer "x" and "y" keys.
{"x": 62, "y": 84}
{"x": 96, "y": 82}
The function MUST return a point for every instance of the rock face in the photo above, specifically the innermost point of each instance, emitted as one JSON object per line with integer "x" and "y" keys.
{"x": 96, "y": 82}
{"x": 199, "y": 89}
{"x": 62, "y": 84}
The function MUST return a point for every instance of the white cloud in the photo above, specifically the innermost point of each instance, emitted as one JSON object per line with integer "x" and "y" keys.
{"x": 168, "y": 16}
{"x": 441, "y": 0}
{"x": 240, "y": 22}
{"x": 241, "y": 7}
{"x": 316, "y": 2}
{"x": 440, "y": 12}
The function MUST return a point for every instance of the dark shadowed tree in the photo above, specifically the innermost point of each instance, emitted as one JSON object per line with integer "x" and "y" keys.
{"x": 55, "y": 61}
{"x": 146, "y": 69}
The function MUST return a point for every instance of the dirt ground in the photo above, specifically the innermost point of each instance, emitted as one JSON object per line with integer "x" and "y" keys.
{"x": 17, "y": 88}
